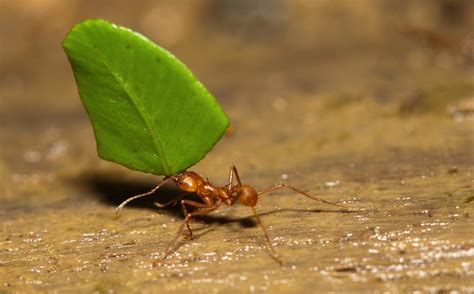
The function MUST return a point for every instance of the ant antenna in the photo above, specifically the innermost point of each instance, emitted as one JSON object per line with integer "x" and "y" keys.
{"x": 122, "y": 205}
{"x": 280, "y": 186}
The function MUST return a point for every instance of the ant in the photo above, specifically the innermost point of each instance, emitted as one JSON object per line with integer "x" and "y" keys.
{"x": 213, "y": 196}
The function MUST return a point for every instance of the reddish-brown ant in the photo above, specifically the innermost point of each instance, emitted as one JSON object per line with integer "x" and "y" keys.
{"x": 212, "y": 197}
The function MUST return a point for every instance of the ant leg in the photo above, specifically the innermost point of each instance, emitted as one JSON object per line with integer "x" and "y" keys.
{"x": 203, "y": 206}
{"x": 173, "y": 202}
{"x": 122, "y": 205}
{"x": 233, "y": 171}
{"x": 205, "y": 210}
{"x": 275, "y": 255}
{"x": 280, "y": 186}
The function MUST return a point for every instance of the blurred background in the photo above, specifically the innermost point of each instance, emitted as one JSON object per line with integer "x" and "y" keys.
{"x": 264, "y": 46}
{"x": 285, "y": 62}
{"x": 366, "y": 102}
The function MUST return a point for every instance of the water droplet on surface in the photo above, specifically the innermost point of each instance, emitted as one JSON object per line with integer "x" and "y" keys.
{"x": 332, "y": 183}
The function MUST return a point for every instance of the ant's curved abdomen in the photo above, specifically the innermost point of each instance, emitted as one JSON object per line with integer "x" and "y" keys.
{"x": 246, "y": 195}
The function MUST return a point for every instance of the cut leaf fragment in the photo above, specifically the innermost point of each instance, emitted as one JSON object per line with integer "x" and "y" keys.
{"x": 149, "y": 113}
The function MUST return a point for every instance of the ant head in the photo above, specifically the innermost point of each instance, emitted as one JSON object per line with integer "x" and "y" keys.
{"x": 246, "y": 195}
{"x": 188, "y": 181}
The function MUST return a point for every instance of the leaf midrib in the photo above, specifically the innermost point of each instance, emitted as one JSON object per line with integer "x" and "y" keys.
{"x": 136, "y": 102}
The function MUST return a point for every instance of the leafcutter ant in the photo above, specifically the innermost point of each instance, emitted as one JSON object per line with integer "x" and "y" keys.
{"x": 213, "y": 197}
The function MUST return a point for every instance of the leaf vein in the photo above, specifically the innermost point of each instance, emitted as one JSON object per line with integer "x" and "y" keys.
{"x": 136, "y": 102}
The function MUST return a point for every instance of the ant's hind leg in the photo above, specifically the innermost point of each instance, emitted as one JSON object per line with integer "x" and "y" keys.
{"x": 274, "y": 254}
{"x": 280, "y": 186}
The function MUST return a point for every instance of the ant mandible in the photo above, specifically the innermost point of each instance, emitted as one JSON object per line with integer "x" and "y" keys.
{"x": 212, "y": 197}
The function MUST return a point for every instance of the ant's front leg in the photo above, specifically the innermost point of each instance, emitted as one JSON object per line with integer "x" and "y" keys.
{"x": 171, "y": 202}
{"x": 205, "y": 208}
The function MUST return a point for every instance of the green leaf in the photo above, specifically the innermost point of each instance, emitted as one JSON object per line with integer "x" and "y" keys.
{"x": 148, "y": 111}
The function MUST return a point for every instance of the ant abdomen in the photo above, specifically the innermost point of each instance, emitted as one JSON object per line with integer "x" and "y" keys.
{"x": 246, "y": 195}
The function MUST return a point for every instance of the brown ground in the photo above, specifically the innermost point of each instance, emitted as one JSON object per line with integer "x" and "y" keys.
{"x": 369, "y": 105}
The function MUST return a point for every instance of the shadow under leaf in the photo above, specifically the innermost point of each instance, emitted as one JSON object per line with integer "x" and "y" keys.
{"x": 114, "y": 189}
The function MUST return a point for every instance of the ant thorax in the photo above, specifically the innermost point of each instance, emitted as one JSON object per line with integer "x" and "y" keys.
{"x": 226, "y": 195}
{"x": 192, "y": 182}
